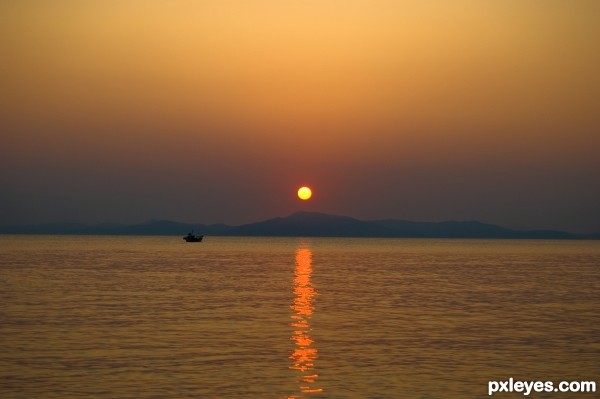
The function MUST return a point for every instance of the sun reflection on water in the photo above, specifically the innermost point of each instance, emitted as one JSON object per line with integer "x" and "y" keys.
{"x": 305, "y": 353}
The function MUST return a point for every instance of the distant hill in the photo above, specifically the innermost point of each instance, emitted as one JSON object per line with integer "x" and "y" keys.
{"x": 154, "y": 227}
{"x": 305, "y": 224}
{"x": 466, "y": 229}
{"x": 314, "y": 224}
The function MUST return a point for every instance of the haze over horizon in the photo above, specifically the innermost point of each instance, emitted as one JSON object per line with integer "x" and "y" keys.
{"x": 216, "y": 112}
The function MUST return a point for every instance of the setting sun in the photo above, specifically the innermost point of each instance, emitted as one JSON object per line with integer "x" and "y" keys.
{"x": 304, "y": 193}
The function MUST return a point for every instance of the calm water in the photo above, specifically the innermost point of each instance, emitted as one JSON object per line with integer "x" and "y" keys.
{"x": 154, "y": 317}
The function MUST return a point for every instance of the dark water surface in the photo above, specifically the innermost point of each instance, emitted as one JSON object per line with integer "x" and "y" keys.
{"x": 154, "y": 317}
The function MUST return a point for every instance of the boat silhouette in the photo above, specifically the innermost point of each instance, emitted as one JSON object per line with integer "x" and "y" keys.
{"x": 193, "y": 238}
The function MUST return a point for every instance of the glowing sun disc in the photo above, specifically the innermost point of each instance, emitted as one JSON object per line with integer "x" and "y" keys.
{"x": 304, "y": 193}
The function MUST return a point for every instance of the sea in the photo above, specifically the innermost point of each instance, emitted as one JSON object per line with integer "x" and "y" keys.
{"x": 280, "y": 318}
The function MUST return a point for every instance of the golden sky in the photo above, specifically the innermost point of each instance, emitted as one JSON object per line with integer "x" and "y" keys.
{"x": 426, "y": 110}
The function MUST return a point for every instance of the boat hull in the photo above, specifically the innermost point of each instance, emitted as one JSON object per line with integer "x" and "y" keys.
{"x": 193, "y": 238}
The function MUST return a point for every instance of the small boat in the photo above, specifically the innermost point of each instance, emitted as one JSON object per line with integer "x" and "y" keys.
{"x": 192, "y": 238}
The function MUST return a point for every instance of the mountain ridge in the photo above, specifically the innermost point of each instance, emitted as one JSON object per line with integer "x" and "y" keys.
{"x": 307, "y": 224}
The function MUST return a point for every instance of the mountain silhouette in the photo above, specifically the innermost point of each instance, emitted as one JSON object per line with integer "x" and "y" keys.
{"x": 313, "y": 224}
{"x": 305, "y": 224}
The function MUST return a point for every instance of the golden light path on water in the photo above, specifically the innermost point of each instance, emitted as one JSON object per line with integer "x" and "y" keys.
{"x": 305, "y": 353}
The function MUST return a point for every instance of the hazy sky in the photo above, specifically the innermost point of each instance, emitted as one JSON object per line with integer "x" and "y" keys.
{"x": 217, "y": 111}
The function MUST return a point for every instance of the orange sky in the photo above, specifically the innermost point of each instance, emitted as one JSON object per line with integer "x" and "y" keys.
{"x": 429, "y": 110}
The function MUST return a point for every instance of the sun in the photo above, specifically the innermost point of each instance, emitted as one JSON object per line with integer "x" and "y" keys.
{"x": 304, "y": 193}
